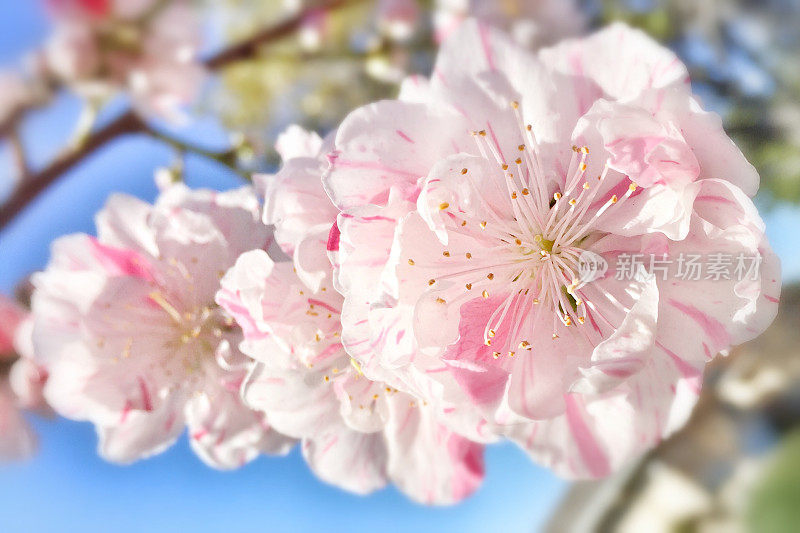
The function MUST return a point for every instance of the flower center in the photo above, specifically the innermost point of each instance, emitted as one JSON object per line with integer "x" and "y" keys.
{"x": 196, "y": 332}
{"x": 535, "y": 250}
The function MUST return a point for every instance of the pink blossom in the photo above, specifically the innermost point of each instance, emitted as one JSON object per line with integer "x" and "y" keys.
{"x": 532, "y": 23}
{"x": 148, "y": 48}
{"x": 27, "y": 377}
{"x": 21, "y": 382}
{"x": 11, "y": 316}
{"x": 357, "y": 433}
{"x": 17, "y": 439}
{"x": 127, "y": 326}
{"x": 468, "y": 203}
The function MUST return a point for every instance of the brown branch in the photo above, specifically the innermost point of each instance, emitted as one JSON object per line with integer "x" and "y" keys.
{"x": 18, "y": 156}
{"x": 250, "y": 47}
{"x": 30, "y": 188}
{"x": 129, "y": 122}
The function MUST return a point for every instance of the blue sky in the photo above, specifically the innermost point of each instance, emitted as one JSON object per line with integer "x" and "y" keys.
{"x": 66, "y": 486}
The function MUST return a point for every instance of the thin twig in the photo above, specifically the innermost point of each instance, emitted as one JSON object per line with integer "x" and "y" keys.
{"x": 30, "y": 188}
{"x": 228, "y": 158}
{"x": 19, "y": 157}
{"x": 250, "y": 47}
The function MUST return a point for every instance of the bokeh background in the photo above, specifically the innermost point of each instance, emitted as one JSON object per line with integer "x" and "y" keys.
{"x": 735, "y": 467}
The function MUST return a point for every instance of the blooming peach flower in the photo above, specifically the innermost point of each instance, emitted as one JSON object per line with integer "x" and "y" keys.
{"x": 356, "y": 433}
{"x": 532, "y": 23}
{"x": 21, "y": 382}
{"x": 127, "y": 326}
{"x": 27, "y": 377}
{"x": 470, "y": 204}
{"x": 146, "y": 47}
{"x": 11, "y": 316}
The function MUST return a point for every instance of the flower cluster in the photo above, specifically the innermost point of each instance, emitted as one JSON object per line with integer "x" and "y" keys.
{"x": 467, "y": 203}
{"x": 127, "y": 327}
{"x": 357, "y": 432}
{"x": 424, "y": 295}
{"x": 148, "y": 47}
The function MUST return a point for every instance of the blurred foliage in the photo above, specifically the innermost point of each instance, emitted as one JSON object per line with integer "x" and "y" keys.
{"x": 774, "y": 505}
{"x": 336, "y": 63}
{"x": 742, "y": 54}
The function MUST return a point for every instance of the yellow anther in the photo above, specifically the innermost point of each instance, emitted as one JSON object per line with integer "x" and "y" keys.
{"x": 468, "y": 286}
{"x": 490, "y": 275}
{"x": 525, "y": 192}
{"x": 446, "y": 253}
{"x": 411, "y": 262}
{"x": 443, "y": 206}
{"x": 485, "y": 294}
{"x": 431, "y": 281}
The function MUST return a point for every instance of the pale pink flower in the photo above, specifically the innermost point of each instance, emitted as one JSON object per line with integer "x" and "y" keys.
{"x": 21, "y": 383}
{"x": 27, "y": 377}
{"x": 468, "y": 203}
{"x": 532, "y": 23}
{"x": 11, "y": 316}
{"x": 356, "y": 433}
{"x": 148, "y": 48}
{"x": 127, "y": 326}
{"x": 17, "y": 439}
